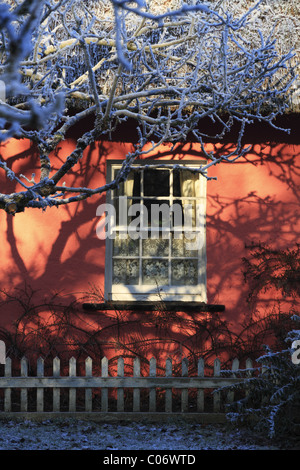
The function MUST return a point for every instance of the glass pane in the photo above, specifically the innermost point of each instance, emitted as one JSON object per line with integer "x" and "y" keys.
{"x": 187, "y": 183}
{"x": 176, "y": 183}
{"x": 177, "y": 214}
{"x": 184, "y": 247}
{"x": 155, "y": 272}
{"x": 120, "y": 190}
{"x": 156, "y": 183}
{"x": 125, "y": 246}
{"x": 134, "y": 213}
{"x": 121, "y": 205}
{"x": 137, "y": 184}
{"x": 125, "y": 271}
{"x": 155, "y": 247}
{"x": 184, "y": 213}
{"x": 189, "y": 213}
{"x": 184, "y": 272}
{"x": 158, "y": 212}
{"x": 131, "y": 187}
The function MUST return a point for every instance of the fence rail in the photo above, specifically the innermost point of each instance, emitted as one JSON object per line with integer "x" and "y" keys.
{"x": 106, "y": 382}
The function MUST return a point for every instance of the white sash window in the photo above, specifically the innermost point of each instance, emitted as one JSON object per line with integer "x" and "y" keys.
{"x": 156, "y": 248}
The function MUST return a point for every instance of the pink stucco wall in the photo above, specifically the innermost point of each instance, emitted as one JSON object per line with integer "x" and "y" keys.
{"x": 58, "y": 250}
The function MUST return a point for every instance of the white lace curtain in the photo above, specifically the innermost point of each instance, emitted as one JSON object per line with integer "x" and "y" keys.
{"x": 128, "y": 187}
{"x": 189, "y": 187}
{"x": 183, "y": 271}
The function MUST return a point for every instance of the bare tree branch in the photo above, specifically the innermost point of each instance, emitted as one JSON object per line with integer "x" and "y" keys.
{"x": 116, "y": 60}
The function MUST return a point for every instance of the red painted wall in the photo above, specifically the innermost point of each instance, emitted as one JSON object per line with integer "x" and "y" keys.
{"x": 58, "y": 250}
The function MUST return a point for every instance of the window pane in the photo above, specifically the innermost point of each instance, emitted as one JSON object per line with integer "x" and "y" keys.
{"x": 130, "y": 187}
{"x": 134, "y": 213}
{"x": 184, "y": 213}
{"x": 155, "y": 272}
{"x": 184, "y": 247}
{"x": 125, "y": 246}
{"x": 137, "y": 184}
{"x": 155, "y": 247}
{"x": 184, "y": 183}
{"x": 177, "y": 214}
{"x": 184, "y": 272}
{"x": 189, "y": 213}
{"x": 161, "y": 258}
{"x": 156, "y": 183}
{"x": 121, "y": 205}
{"x": 158, "y": 212}
{"x": 125, "y": 271}
{"x": 120, "y": 190}
{"x": 176, "y": 183}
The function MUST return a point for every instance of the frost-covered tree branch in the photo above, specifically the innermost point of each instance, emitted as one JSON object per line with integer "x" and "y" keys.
{"x": 115, "y": 60}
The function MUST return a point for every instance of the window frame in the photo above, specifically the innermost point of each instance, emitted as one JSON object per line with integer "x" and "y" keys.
{"x": 187, "y": 293}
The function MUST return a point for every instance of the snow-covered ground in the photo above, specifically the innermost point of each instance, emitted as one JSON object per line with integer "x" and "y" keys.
{"x": 71, "y": 434}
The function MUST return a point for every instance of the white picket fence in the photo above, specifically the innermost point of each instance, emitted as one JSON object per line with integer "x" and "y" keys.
{"x": 152, "y": 383}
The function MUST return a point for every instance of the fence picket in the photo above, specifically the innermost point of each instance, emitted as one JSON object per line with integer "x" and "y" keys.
{"x": 200, "y": 393}
{"x": 249, "y": 365}
{"x": 24, "y": 392}
{"x": 7, "y": 391}
{"x": 235, "y": 367}
{"x": 120, "y": 390}
{"x": 152, "y": 391}
{"x": 185, "y": 392}
{"x": 136, "y": 391}
{"x": 264, "y": 372}
{"x": 104, "y": 390}
{"x": 168, "y": 397}
{"x": 217, "y": 395}
{"x": 72, "y": 391}
{"x": 137, "y": 382}
{"x": 56, "y": 391}
{"x": 88, "y": 391}
{"x": 40, "y": 391}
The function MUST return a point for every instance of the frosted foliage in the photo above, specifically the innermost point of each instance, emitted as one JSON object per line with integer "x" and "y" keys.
{"x": 164, "y": 65}
{"x": 161, "y": 6}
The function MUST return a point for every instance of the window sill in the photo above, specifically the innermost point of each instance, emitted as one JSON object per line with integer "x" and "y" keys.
{"x": 151, "y": 306}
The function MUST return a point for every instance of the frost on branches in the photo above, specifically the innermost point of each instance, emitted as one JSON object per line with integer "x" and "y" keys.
{"x": 271, "y": 404}
{"x": 270, "y": 398}
{"x": 164, "y": 69}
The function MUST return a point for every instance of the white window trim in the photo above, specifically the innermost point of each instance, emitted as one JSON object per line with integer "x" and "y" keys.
{"x": 190, "y": 293}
